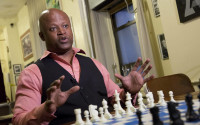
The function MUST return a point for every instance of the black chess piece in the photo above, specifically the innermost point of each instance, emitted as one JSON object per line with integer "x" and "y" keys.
{"x": 155, "y": 114}
{"x": 174, "y": 114}
{"x": 139, "y": 115}
{"x": 199, "y": 103}
{"x": 190, "y": 114}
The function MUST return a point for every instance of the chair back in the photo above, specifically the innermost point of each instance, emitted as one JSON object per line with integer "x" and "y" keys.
{"x": 179, "y": 84}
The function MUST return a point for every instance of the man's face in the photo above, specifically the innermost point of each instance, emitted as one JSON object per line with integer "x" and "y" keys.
{"x": 56, "y": 31}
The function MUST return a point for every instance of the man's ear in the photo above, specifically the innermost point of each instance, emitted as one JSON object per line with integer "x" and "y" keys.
{"x": 41, "y": 36}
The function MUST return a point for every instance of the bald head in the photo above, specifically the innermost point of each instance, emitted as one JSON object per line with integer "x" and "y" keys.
{"x": 44, "y": 16}
{"x": 55, "y": 30}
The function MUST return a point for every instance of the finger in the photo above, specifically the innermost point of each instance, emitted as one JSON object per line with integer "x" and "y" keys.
{"x": 147, "y": 70}
{"x": 72, "y": 90}
{"x": 58, "y": 82}
{"x": 144, "y": 66}
{"x": 120, "y": 77}
{"x": 61, "y": 80}
{"x": 149, "y": 78}
{"x": 137, "y": 64}
{"x": 50, "y": 91}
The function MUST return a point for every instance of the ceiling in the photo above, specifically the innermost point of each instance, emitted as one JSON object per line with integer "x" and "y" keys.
{"x": 9, "y": 8}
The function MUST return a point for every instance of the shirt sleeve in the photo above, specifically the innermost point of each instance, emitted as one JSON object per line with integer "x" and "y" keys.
{"x": 28, "y": 108}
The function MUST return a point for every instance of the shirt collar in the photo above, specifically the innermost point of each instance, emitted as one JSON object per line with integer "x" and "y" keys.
{"x": 76, "y": 50}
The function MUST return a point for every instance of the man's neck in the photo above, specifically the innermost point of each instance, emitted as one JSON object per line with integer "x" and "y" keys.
{"x": 67, "y": 56}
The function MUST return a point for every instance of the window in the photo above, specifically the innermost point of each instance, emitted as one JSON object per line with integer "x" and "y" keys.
{"x": 126, "y": 35}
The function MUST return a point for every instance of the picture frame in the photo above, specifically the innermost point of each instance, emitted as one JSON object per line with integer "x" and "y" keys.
{"x": 17, "y": 68}
{"x": 26, "y": 45}
{"x": 53, "y": 4}
{"x": 16, "y": 79}
{"x": 188, "y": 9}
{"x": 155, "y": 8}
{"x": 163, "y": 46}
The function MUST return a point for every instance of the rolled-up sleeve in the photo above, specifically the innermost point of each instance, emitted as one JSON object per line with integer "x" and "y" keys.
{"x": 28, "y": 108}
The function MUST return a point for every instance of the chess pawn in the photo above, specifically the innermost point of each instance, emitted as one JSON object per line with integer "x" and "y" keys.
{"x": 106, "y": 113}
{"x": 79, "y": 120}
{"x": 171, "y": 96}
{"x": 117, "y": 115}
{"x": 117, "y": 99}
{"x": 128, "y": 108}
{"x": 102, "y": 118}
{"x": 87, "y": 120}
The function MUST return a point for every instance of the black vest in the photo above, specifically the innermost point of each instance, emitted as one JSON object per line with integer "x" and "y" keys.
{"x": 92, "y": 87}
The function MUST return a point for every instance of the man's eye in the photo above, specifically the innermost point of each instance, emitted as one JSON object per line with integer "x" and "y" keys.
{"x": 65, "y": 26}
{"x": 52, "y": 29}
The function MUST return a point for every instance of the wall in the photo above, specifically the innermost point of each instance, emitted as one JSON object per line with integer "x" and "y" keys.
{"x": 71, "y": 7}
{"x": 182, "y": 40}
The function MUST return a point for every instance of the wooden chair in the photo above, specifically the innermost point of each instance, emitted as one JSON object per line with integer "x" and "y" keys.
{"x": 178, "y": 83}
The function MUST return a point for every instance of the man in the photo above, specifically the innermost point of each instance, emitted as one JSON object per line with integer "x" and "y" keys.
{"x": 81, "y": 81}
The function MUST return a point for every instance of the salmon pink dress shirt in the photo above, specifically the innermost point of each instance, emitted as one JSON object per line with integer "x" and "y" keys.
{"x": 28, "y": 108}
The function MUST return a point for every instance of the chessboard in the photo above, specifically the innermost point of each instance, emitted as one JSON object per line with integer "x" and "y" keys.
{"x": 147, "y": 116}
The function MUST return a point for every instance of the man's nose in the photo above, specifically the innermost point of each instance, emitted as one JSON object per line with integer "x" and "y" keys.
{"x": 61, "y": 31}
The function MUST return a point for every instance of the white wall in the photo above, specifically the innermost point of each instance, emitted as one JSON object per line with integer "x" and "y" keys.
{"x": 183, "y": 40}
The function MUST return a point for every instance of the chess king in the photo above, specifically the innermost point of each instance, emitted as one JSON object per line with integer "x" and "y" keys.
{"x": 63, "y": 80}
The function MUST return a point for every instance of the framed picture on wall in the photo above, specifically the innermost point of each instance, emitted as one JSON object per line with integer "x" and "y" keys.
{"x": 155, "y": 8}
{"x": 16, "y": 79}
{"x": 163, "y": 46}
{"x": 188, "y": 9}
{"x": 26, "y": 45}
{"x": 53, "y": 4}
{"x": 17, "y": 68}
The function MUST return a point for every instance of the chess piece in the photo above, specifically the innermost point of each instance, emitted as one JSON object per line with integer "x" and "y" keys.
{"x": 161, "y": 97}
{"x": 117, "y": 115}
{"x": 150, "y": 100}
{"x": 155, "y": 114}
{"x": 117, "y": 99}
{"x": 87, "y": 120}
{"x": 79, "y": 120}
{"x": 93, "y": 113}
{"x": 128, "y": 99}
{"x": 102, "y": 118}
{"x": 199, "y": 103}
{"x": 128, "y": 108}
{"x": 106, "y": 113}
{"x": 142, "y": 107}
{"x": 190, "y": 114}
{"x": 171, "y": 95}
{"x": 174, "y": 114}
{"x": 139, "y": 115}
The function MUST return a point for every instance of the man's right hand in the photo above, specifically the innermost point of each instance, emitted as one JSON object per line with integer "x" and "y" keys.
{"x": 55, "y": 97}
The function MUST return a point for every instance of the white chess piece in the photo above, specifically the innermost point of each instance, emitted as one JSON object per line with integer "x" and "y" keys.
{"x": 171, "y": 96}
{"x": 142, "y": 107}
{"x": 79, "y": 120}
{"x": 117, "y": 115}
{"x": 87, "y": 119}
{"x": 93, "y": 113}
{"x": 151, "y": 100}
{"x": 117, "y": 99}
{"x": 159, "y": 97}
{"x": 162, "y": 100}
{"x": 128, "y": 99}
{"x": 128, "y": 108}
{"x": 102, "y": 118}
{"x": 106, "y": 113}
